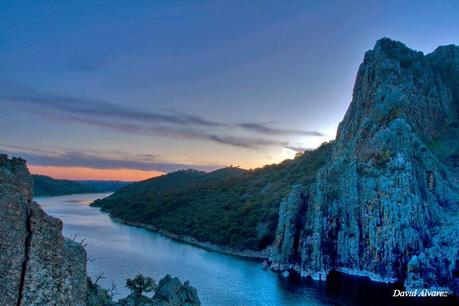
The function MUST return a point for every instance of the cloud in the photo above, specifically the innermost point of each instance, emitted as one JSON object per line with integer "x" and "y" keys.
{"x": 99, "y": 159}
{"x": 246, "y": 142}
{"x": 132, "y": 128}
{"x": 265, "y": 129}
{"x": 166, "y": 124}
{"x": 297, "y": 148}
{"x": 99, "y": 108}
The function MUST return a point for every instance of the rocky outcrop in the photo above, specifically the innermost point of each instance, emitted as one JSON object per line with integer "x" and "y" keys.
{"x": 386, "y": 204}
{"x": 285, "y": 252}
{"x": 170, "y": 292}
{"x": 38, "y": 265}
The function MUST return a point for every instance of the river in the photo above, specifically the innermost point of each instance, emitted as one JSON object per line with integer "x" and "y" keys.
{"x": 119, "y": 251}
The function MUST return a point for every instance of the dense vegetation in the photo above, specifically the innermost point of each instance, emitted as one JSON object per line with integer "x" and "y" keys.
{"x": 48, "y": 186}
{"x": 230, "y": 206}
{"x": 103, "y": 186}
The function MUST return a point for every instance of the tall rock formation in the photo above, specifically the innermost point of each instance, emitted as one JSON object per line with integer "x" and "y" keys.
{"x": 38, "y": 266}
{"x": 386, "y": 204}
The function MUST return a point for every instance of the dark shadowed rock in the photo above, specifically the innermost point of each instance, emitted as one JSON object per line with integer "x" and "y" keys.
{"x": 386, "y": 204}
{"x": 285, "y": 247}
{"x": 15, "y": 195}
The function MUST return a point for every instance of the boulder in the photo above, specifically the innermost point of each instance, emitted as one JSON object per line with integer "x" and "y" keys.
{"x": 170, "y": 292}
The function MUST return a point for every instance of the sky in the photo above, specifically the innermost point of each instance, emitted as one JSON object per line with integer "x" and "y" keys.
{"x": 128, "y": 90}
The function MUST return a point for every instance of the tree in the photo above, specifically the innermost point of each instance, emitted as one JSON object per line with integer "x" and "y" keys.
{"x": 140, "y": 284}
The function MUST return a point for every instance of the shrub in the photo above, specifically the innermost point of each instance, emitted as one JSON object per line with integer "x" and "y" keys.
{"x": 140, "y": 284}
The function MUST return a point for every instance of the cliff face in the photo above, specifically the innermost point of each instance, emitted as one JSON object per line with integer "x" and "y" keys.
{"x": 38, "y": 266}
{"x": 386, "y": 204}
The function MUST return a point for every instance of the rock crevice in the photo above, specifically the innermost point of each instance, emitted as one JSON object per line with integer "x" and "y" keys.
{"x": 26, "y": 254}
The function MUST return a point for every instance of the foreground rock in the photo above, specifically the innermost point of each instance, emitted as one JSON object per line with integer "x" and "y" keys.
{"x": 38, "y": 266}
{"x": 386, "y": 204}
{"x": 170, "y": 292}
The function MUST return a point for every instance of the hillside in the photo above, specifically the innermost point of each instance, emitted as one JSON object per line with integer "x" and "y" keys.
{"x": 230, "y": 206}
{"x": 103, "y": 186}
{"x": 48, "y": 186}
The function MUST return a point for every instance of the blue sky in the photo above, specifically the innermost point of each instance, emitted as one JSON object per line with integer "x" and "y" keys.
{"x": 162, "y": 85}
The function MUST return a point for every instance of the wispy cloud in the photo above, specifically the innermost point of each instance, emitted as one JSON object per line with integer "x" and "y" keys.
{"x": 172, "y": 132}
{"x": 99, "y": 108}
{"x": 99, "y": 159}
{"x": 166, "y": 124}
{"x": 267, "y": 130}
{"x": 297, "y": 148}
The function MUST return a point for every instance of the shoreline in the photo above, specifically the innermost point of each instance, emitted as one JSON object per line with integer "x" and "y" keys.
{"x": 246, "y": 254}
{"x": 261, "y": 256}
{"x": 73, "y": 194}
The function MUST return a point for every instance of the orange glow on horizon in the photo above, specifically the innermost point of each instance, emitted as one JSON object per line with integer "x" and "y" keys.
{"x": 82, "y": 173}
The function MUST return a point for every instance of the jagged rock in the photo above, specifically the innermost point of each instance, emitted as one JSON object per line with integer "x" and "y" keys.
{"x": 436, "y": 263}
{"x": 14, "y": 197}
{"x": 386, "y": 204}
{"x": 285, "y": 246}
{"x": 38, "y": 266}
{"x": 170, "y": 292}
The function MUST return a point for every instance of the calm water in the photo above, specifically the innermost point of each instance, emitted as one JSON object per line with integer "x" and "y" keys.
{"x": 120, "y": 251}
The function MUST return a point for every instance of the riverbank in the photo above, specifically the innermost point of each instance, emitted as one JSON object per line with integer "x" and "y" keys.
{"x": 246, "y": 254}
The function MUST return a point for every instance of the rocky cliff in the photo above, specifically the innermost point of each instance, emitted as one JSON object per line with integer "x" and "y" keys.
{"x": 37, "y": 264}
{"x": 386, "y": 203}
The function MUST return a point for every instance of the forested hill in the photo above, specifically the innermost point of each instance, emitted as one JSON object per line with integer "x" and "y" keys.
{"x": 48, "y": 186}
{"x": 229, "y": 206}
{"x": 103, "y": 186}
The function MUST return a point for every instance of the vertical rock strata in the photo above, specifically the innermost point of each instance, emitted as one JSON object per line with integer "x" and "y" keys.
{"x": 386, "y": 204}
{"x": 38, "y": 266}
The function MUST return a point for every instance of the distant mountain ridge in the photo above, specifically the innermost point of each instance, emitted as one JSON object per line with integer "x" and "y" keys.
{"x": 103, "y": 186}
{"x": 48, "y": 186}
